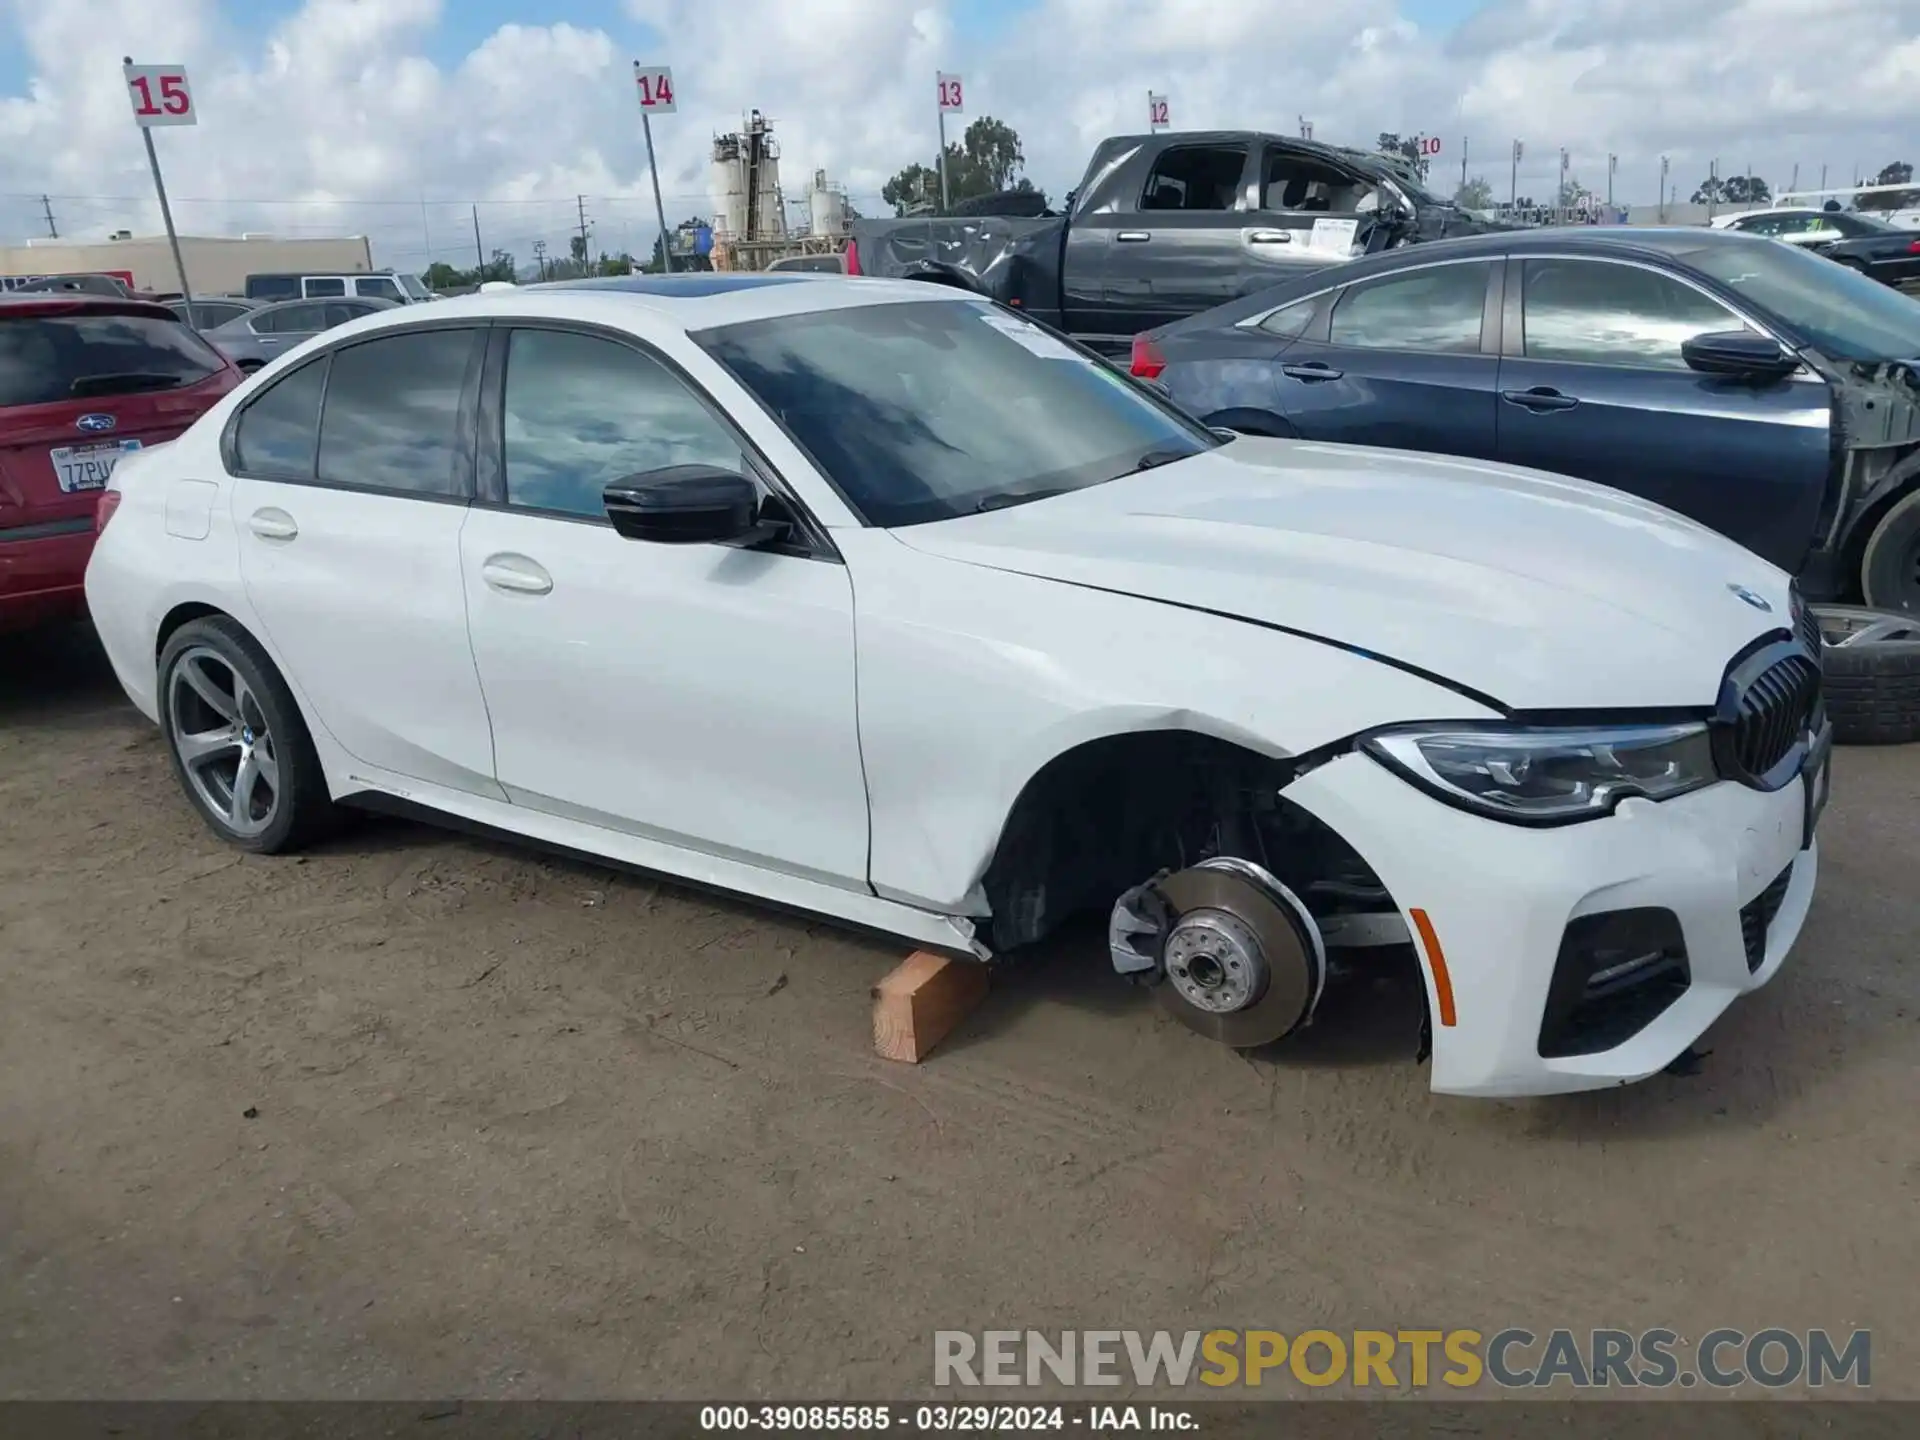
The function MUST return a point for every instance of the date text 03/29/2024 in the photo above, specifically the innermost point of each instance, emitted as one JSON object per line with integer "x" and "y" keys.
{"x": 947, "y": 1418}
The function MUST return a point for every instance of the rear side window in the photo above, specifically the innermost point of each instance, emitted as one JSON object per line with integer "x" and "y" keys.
{"x": 279, "y": 433}
{"x": 322, "y": 287}
{"x": 291, "y": 320}
{"x": 208, "y": 316}
{"x": 1291, "y": 320}
{"x": 381, "y": 287}
{"x": 49, "y": 358}
{"x": 1196, "y": 177}
{"x": 392, "y": 417}
{"x": 342, "y": 312}
{"x": 1436, "y": 310}
{"x": 273, "y": 287}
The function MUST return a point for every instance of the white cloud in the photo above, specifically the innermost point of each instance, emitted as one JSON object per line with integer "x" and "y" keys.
{"x": 340, "y": 103}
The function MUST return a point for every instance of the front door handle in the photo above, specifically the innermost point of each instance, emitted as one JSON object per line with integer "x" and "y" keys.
{"x": 516, "y": 575}
{"x": 1540, "y": 398}
{"x": 1271, "y": 237}
{"x": 272, "y": 524}
{"x": 1312, "y": 370}
{"x": 1134, "y": 237}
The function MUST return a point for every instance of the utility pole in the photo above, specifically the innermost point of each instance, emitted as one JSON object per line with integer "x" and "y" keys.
{"x": 1513, "y": 180}
{"x": 1713, "y": 187}
{"x": 1306, "y": 128}
{"x": 46, "y": 204}
{"x": 540, "y": 257}
{"x": 1663, "y": 189}
{"x": 585, "y": 263}
{"x": 479, "y": 255}
{"x": 1613, "y": 164}
{"x": 1463, "y": 162}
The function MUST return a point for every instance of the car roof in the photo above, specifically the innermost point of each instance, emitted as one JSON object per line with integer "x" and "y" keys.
{"x": 255, "y": 308}
{"x": 78, "y": 302}
{"x": 693, "y": 302}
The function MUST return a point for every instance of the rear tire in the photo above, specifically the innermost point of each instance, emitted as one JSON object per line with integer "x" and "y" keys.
{"x": 239, "y": 747}
{"x": 1871, "y": 662}
{"x": 1890, "y": 564}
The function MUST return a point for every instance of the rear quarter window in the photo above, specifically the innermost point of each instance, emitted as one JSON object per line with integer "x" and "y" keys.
{"x": 45, "y": 359}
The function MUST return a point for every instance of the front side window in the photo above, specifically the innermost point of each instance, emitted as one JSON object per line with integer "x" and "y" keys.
{"x": 392, "y": 413}
{"x": 1841, "y": 312}
{"x": 278, "y": 433}
{"x": 45, "y": 358}
{"x": 1596, "y": 313}
{"x": 930, "y": 409}
{"x": 208, "y": 316}
{"x": 341, "y": 311}
{"x": 290, "y": 320}
{"x": 1196, "y": 177}
{"x": 1436, "y": 309}
{"x": 381, "y": 287}
{"x": 581, "y": 412}
{"x": 323, "y": 287}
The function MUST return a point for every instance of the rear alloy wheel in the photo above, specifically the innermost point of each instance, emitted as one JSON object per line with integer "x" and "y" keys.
{"x": 238, "y": 744}
{"x": 1871, "y": 660}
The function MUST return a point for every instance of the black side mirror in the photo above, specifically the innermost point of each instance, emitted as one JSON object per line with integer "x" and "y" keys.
{"x": 687, "y": 505}
{"x": 1741, "y": 353}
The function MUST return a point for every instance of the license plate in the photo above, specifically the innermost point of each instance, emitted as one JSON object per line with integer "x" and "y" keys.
{"x": 88, "y": 467}
{"x": 1819, "y": 782}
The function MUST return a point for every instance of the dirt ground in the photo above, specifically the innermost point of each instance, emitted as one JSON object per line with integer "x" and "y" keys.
{"x": 417, "y": 1115}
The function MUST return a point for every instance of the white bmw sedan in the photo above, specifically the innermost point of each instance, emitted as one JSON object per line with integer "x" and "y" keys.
{"x": 881, "y": 602}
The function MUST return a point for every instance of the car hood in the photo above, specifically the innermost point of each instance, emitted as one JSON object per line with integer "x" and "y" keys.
{"x": 1532, "y": 590}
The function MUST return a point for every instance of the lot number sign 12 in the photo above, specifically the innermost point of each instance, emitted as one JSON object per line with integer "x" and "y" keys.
{"x": 160, "y": 95}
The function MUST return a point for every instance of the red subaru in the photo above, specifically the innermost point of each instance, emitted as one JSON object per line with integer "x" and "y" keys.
{"x": 84, "y": 380}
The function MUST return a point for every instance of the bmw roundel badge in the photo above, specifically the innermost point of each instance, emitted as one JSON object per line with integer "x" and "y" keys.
{"x": 95, "y": 424}
{"x": 1758, "y": 601}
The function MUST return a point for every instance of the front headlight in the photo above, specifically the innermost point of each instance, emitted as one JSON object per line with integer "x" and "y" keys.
{"x": 1547, "y": 775}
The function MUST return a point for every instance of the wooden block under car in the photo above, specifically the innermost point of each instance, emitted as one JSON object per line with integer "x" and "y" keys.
{"x": 919, "y": 1003}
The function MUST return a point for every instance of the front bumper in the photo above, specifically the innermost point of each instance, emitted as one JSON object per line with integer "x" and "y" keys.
{"x": 1499, "y": 899}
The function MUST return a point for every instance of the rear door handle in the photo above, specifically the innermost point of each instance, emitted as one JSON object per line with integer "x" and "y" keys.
{"x": 1271, "y": 237}
{"x": 1312, "y": 370}
{"x": 516, "y": 575}
{"x": 1134, "y": 237}
{"x": 1540, "y": 398}
{"x": 272, "y": 524}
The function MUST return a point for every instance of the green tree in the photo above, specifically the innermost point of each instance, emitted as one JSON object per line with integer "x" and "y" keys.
{"x": 442, "y": 276}
{"x": 1476, "y": 194}
{"x": 1733, "y": 190}
{"x": 986, "y": 161}
{"x": 1405, "y": 149}
{"x": 1898, "y": 173}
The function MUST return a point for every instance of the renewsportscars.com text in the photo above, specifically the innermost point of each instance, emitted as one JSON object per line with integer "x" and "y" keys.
{"x": 1512, "y": 1358}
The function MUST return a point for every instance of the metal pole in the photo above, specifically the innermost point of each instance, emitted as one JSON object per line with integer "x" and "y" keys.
{"x": 1663, "y": 189}
{"x": 1713, "y": 187}
{"x": 659, "y": 208}
{"x": 1513, "y": 182}
{"x": 479, "y": 255}
{"x": 1463, "y": 162}
{"x": 945, "y": 203}
{"x": 46, "y": 204}
{"x": 166, "y": 212}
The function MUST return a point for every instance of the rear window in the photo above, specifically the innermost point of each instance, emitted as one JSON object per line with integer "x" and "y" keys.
{"x": 49, "y": 358}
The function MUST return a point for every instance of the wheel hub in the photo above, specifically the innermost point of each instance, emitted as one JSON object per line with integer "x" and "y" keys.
{"x": 1214, "y": 961}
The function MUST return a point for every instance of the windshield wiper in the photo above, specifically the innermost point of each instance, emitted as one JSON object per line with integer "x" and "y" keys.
{"x": 1156, "y": 458}
{"x": 125, "y": 382}
{"x": 1001, "y": 499}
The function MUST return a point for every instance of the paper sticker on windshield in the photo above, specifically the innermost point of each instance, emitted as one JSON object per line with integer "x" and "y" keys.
{"x": 1030, "y": 337}
{"x": 1333, "y": 237}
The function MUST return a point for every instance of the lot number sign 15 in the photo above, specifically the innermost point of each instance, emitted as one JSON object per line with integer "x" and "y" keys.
{"x": 160, "y": 95}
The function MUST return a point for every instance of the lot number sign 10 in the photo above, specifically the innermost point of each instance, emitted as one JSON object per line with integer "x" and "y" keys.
{"x": 160, "y": 95}
{"x": 654, "y": 84}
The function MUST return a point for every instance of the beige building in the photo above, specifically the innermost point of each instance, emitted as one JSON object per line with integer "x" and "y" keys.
{"x": 216, "y": 265}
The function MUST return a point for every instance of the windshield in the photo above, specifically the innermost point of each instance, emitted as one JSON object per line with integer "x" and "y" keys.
{"x": 1837, "y": 310}
{"x": 414, "y": 290}
{"x": 931, "y": 409}
{"x": 48, "y": 358}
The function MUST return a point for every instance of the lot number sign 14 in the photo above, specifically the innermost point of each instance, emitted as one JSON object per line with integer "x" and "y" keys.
{"x": 654, "y": 84}
{"x": 160, "y": 95}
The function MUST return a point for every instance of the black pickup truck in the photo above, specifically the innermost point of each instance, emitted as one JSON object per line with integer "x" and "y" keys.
{"x": 1164, "y": 226}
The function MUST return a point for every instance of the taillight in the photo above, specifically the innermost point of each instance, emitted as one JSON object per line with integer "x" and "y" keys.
{"x": 853, "y": 258}
{"x": 103, "y": 509}
{"x": 1148, "y": 360}
{"x": 1913, "y": 247}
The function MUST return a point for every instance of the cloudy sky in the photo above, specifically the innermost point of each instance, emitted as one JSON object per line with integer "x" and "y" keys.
{"x": 388, "y": 117}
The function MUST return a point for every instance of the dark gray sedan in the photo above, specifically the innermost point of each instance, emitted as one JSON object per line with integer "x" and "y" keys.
{"x": 264, "y": 334}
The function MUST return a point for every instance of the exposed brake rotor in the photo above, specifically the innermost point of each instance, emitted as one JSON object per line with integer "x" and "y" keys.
{"x": 1240, "y": 958}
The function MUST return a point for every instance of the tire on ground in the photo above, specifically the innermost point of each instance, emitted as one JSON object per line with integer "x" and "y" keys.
{"x": 307, "y": 810}
{"x": 1872, "y": 685}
